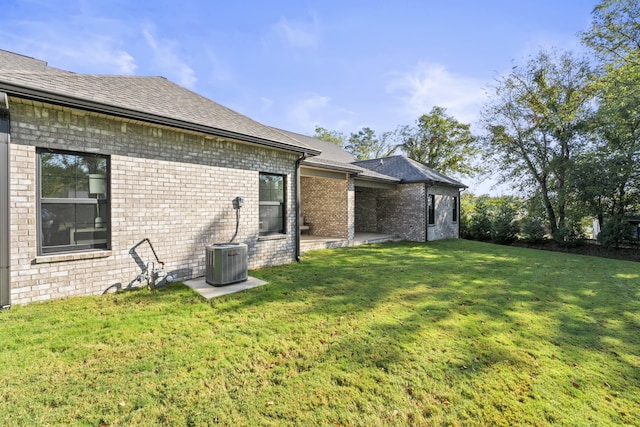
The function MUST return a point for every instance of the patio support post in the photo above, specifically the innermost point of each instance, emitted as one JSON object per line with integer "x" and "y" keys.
{"x": 5, "y": 258}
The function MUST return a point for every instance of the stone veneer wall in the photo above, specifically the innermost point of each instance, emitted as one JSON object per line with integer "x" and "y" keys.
{"x": 444, "y": 227}
{"x": 325, "y": 205}
{"x": 171, "y": 186}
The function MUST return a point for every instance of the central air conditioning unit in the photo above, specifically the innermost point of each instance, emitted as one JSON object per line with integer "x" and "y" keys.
{"x": 226, "y": 263}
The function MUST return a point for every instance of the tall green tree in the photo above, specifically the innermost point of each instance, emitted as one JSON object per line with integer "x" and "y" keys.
{"x": 441, "y": 142}
{"x": 615, "y": 187}
{"x": 535, "y": 121}
{"x": 366, "y": 144}
{"x": 615, "y": 32}
{"x": 323, "y": 134}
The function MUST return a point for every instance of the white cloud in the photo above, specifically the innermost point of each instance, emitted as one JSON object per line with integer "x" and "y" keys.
{"x": 68, "y": 48}
{"x": 429, "y": 85}
{"x": 219, "y": 70}
{"x": 168, "y": 60}
{"x": 301, "y": 34}
{"x": 266, "y": 104}
{"x": 100, "y": 54}
{"x": 307, "y": 113}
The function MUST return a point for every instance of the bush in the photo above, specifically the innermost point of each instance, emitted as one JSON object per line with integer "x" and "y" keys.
{"x": 569, "y": 234}
{"x": 480, "y": 222}
{"x": 503, "y": 227}
{"x": 615, "y": 232}
{"x": 532, "y": 230}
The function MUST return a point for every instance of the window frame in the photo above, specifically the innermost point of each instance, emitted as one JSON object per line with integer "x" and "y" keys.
{"x": 104, "y": 204}
{"x": 431, "y": 209}
{"x": 455, "y": 210}
{"x": 283, "y": 204}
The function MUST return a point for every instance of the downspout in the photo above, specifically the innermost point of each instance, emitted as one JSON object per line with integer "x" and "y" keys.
{"x": 426, "y": 219}
{"x": 460, "y": 191}
{"x": 297, "y": 219}
{"x": 5, "y": 258}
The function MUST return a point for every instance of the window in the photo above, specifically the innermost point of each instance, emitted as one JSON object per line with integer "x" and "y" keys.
{"x": 455, "y": 209}
{"x": 431, "y": 209}
{"x": 272, "y": 197}
{"x": 73, "y": 199}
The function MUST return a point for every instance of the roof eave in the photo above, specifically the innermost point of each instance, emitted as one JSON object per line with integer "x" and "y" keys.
{"x": 431, "y": 182}
{"x": 330, "y": 167}
{"x": 84, "y": 104}
{"x": 389, "y": 180}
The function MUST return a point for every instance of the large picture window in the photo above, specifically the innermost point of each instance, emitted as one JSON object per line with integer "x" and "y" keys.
{"x": 272, "y": 209}
{"x": 73, "y": 190}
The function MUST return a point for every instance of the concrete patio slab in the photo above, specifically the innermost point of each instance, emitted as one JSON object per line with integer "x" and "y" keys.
{"x": 206, "y": 290}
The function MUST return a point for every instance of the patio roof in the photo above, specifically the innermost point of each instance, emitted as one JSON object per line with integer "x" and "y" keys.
{"x": 408, "y": 171}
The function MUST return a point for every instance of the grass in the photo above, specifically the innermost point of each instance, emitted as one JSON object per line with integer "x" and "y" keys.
{"x": 443, "y": 333}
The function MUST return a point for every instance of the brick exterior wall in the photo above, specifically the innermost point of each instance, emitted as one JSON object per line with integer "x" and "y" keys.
{"x": 325, "y": 204}
{"x": 403, "y": 212}
{"x": 173, "y": 187}
{"x": 366, "y": 212}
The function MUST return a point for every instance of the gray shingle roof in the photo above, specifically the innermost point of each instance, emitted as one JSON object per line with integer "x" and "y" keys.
{"x": 334, "y": 157}
{"x": 13, "y": 61}
{"x": 331, "y": 156}
{"x": 153, "y": 99}
{"x": 408, "y": 170}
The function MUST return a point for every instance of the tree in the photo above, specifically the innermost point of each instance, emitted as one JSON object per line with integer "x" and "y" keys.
{"x": 329, "y": 136}
{"x": 366, "y": 145}
{"x": 480, "y": 219}
{"x": 615, "y": 32}
{"x": 441, "y": 142}
{"x": 504, "y": 227}
{"x": 535, "y": 123}
{"x": 616, "y": 231}
{"x": 615, "y": 189}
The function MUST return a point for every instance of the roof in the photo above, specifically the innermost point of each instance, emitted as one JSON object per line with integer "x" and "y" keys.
{"x": 408, "y": 171}
{"x": 152, "y": 99}
{"x": 334, "y": 157}
{"x": 331, "y": 155}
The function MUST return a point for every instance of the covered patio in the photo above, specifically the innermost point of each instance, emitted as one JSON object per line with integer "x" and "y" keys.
{"x": 311, "y": 242}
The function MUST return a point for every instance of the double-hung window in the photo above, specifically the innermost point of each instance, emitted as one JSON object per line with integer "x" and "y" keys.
{"x": 272, "y": 208}
{"x": 73, "y": 201}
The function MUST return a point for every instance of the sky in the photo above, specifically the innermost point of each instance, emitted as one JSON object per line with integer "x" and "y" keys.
{"x": 295, "y": 65}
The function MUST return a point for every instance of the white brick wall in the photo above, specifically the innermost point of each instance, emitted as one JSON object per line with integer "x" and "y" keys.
{"x": 173, "y": 187}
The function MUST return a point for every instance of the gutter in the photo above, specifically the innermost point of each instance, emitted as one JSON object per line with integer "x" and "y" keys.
{"x": 97, "y": 107}
{"x": 297, "y": 219}
{"x": 5, "y": 225}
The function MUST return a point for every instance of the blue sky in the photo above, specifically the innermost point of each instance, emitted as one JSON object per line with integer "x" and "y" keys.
{"x": 297, "y": 64}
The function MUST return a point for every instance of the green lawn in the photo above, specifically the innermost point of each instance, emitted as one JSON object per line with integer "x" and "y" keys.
{"x": 442, "y": 333}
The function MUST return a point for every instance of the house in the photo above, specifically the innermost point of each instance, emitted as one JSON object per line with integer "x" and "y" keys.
{"x": 342, "y": 199}
{"x": 93, "y": 166}
{"x": 425, "y": 206}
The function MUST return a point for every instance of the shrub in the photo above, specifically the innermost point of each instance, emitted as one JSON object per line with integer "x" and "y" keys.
{"x": 480, "y": 222}
{"x": 615, "y": 231}
{"x": 569, "y": 234}
{"x": 503, "y": 227}
{"x": 532, "y": 230}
